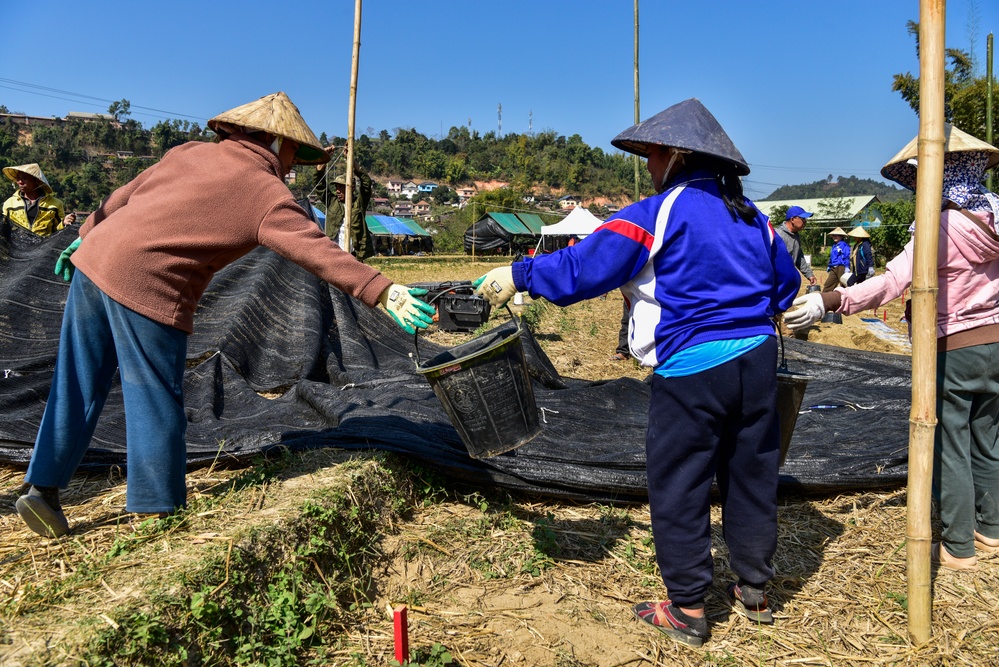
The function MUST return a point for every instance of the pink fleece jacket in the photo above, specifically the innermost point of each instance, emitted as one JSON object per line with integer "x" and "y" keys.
{"x": 967, "y": 274}
{"x": 155, "y": 243}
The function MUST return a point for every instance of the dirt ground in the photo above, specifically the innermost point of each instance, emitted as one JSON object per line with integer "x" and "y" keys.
{"x": 498, "y": 579}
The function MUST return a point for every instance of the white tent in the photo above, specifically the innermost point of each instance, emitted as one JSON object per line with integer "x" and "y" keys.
{"x": 579, "y": 222}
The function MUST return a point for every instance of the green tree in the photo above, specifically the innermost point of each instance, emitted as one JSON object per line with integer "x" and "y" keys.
{"x": 120, "y": 110}
{"x": 964, "y": 93}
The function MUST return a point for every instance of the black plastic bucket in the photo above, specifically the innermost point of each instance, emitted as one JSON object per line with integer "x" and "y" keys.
{"x": 485, "y": 390}
{"x": 790, "y": 393}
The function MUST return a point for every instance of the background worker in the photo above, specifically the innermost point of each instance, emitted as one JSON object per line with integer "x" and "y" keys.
{"x": 704, "y": 275}
{"x": 861, "y": 256}
{"x": 33, "y": 206}
{"x": 138, "y": 270}
{"x": 794, "y": 222}
{"x": 839, "y": 260}
{"x": 966, "y": 444}
{"x": 361, "y": 243}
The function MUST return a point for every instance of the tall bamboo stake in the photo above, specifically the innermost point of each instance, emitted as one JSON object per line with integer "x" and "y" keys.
{"x": 989, "y": 182}
{"x": 348, "y": 205}
{"x": 922, "y": 417}
{"x": 638, "y": 118}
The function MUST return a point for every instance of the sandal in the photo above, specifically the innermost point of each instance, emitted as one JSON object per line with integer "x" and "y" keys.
{"x": 750, "y": 602}
{"x": 619, "y": 356}
{"x": 983, "y": 543}
{"x": 949, "y": 561}
{"x": 672, "y": 622}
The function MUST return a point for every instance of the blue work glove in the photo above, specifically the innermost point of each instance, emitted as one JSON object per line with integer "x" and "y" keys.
{"x": 409, "y": 312}
{"x": 64, "y": 267}
{"x": 497, "y": 286}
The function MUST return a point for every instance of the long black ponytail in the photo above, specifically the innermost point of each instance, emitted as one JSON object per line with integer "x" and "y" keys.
{"x": 729, "y": 184}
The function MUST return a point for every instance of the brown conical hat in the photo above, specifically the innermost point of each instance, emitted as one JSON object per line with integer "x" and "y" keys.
{"x": 275, "y": 114}
{"x": 31, "y": 170}
{"x": 837, "y": 232}
{"x": 902, "y": 172}
{"x": 859, "y": 233}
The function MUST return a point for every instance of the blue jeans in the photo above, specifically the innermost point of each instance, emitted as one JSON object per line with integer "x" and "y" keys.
{"x": 719, "y": 424}
{"x": 99, "y": 336}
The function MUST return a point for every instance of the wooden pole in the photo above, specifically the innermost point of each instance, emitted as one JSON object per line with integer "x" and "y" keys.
{"x": 638, "y": 117}
{"x": 923, "y": 417}
{"x": 990, "y": 181}
{"x": 348, "y": 204}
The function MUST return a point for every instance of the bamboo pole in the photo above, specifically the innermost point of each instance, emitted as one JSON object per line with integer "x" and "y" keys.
{"x": 348, "y": 204}
{"x": 990, "y": 181}
{"x": 638, "y": 117}
{"x": 922, "y": 417}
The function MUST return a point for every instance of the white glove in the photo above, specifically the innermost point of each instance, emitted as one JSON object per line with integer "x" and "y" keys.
{"x": 496, "y": 287}
{"x": 409, "y": 312}
{"x": 809, "y": 309}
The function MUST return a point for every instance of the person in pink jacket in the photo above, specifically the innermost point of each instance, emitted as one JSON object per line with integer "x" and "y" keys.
{"x": 966, "y": 450}
{"x": 138, "y": 270}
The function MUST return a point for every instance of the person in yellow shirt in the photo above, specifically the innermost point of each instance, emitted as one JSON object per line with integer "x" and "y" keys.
{"x": 33, "y": 206}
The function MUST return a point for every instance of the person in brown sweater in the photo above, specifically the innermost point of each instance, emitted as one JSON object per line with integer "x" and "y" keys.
{"x": 137, "y": 272}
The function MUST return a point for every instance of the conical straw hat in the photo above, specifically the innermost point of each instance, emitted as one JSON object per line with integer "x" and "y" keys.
{"x": 837, "y": 232}
{"x": 687, "y": 125}
{"x": 859, "y": 233}
{"x": 275, "y": 114}
{"x": 902, "y": 172}
{"x": 31, "y": 170}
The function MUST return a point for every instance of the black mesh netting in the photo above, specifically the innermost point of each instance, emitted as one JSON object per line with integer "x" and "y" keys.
{"x": 346, "y": 379}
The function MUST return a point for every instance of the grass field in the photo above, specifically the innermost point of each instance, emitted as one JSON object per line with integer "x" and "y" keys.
{"x": 298, "y": 560}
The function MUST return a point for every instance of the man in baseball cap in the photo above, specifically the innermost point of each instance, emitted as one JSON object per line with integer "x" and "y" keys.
{"x": 794, "y": 222}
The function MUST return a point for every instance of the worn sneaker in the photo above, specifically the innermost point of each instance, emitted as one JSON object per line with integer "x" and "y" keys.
{"x": 669, "y": 620}
{"x": 751, "y": 602}
{"x": 40, "y": 510}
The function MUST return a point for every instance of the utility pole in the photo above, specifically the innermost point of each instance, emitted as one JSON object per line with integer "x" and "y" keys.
{"x": 499, "y": 117}
{"x": 638, "y": 117}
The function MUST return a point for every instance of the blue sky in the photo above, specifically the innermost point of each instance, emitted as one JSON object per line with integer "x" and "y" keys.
{"x": 802, "y": 87}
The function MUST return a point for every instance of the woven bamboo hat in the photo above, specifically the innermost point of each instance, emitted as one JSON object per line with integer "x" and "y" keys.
{"x": 274, "y": 114}
{"x": 31, "y": 170}
{"x": 859, "y": 233}
{"x": 837, "y": 232}
{"x": 903, "y": 172}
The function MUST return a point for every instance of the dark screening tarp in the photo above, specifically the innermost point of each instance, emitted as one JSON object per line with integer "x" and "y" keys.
{"x": 346, "y": 380}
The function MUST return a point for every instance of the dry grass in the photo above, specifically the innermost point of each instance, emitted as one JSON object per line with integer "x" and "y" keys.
{"x": 498, "y": 579}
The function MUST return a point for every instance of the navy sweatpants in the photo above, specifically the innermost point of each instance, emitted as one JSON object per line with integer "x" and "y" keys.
{"x": 720, "y": 423}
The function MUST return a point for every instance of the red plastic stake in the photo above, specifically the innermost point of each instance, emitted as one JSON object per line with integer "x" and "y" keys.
{"x": 401, "y": 622}
{"x": 886, "y": 314}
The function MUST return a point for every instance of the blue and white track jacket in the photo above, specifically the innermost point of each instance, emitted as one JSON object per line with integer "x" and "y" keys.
{"x": 690, "y": 272}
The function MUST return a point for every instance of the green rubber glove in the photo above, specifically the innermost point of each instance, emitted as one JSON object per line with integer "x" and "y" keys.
{"x": 64, "y": 267}
{"x": 496, "y": 287}
{"x": 408, "y": 312}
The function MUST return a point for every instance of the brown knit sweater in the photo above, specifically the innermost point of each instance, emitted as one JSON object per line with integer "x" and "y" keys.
{"x": 155, "y": 243}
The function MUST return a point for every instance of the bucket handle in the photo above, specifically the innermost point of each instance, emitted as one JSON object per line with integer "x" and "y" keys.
{"x": 416, "y": 334}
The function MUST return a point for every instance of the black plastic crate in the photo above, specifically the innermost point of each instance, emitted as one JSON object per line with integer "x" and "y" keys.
{"x": 436, "y": 289}
{"x": 461, "y": 312}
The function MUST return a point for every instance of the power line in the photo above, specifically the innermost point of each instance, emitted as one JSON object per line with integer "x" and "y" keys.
{"x": 82, "y": 97}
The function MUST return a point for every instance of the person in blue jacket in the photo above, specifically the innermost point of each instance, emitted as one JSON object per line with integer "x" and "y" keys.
{"x": 839, "y": 260}
{"x": 704, "y": 274}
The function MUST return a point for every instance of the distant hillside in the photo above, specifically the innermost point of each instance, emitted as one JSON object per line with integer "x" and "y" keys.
{"x": 843, "y": 186}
